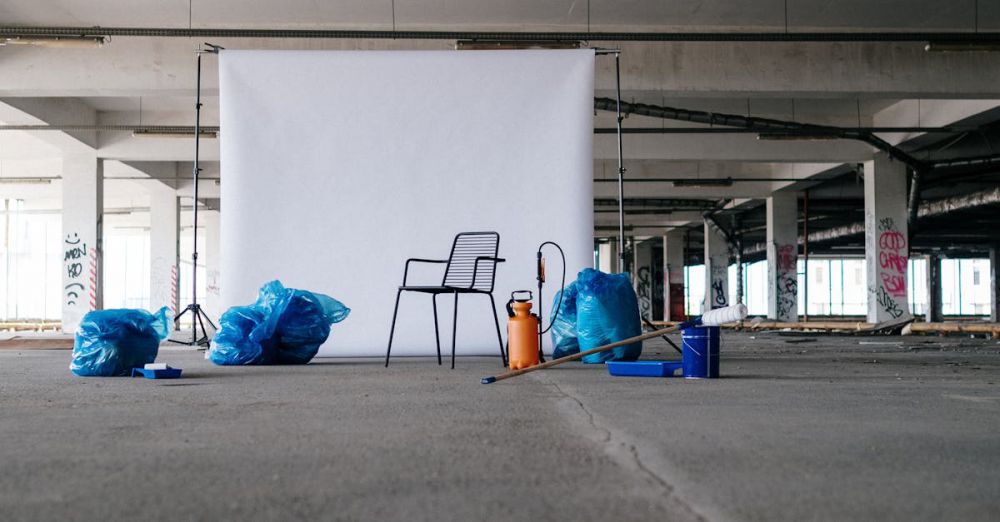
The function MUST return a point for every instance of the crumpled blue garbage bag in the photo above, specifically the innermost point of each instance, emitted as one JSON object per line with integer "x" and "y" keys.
{"x": 607, "y": 311}
{"x": 112, "y": 342}
{"x": 563, "y": 330}
{"x": 284, "y": 326}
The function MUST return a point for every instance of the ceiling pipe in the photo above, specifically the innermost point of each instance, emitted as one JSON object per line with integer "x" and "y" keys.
{"x": 146, "y": 129}
{"x": 913, "y": 202}
{"x": 209, "y": 32}
{"x": 735, "y": 130}
{"x": 978, "y": 161}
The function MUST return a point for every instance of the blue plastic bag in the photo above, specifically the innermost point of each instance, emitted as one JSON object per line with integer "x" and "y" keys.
{"x": 607, "y": 311}
{"x": 563, "y": 330}
{"x": 112, "y": 342}
{"x": 284, "y": 326}
{"x": 239, "y": 340}
{"x": 305, "y": 325}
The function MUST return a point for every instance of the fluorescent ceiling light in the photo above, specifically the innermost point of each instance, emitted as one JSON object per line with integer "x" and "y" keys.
{"x": 64, "y": 42}
{"x": 492, "y": 45}
{"x": 962, "y": 46}
{"x": 159, "y": 133}
{"x": 788, "y": 136}
{"x": 704, "y": 182}
{"x": 27, "y": 181}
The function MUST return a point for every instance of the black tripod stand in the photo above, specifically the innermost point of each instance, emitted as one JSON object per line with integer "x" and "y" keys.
{"x": 198, "y": 316}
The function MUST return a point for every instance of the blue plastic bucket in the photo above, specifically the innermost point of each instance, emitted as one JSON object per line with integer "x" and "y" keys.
{"x": 700, "y": 352}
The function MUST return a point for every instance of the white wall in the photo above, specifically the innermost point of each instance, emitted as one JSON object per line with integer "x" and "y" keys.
{"x": 339, "y": 165}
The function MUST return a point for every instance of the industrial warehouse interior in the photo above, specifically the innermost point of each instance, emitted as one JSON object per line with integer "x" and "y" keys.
{"x": 701, "y": 260}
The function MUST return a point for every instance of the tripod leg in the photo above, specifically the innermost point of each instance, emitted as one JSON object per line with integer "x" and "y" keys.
{"x": 210, "y": 323}
{"x": 204, "y": 333}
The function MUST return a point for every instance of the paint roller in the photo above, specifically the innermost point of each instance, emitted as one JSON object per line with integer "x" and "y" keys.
{"x": 729, "y": 314}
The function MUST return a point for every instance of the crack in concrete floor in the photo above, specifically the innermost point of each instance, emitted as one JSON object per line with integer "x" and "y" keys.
{"x": 623, "y": 451}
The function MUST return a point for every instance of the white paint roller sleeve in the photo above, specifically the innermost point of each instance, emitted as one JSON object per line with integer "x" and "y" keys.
{"x": 728, "y": 314}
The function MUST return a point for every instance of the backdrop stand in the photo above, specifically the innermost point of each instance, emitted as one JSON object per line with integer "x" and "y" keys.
{"x": 622, "y": 265}
{"x": 198, "y": 315}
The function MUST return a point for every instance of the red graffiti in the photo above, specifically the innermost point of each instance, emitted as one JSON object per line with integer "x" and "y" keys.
{"x": 892, "y": 240}
{"x": 893, "y": 261}
{"x": 786, "y": 258}
{"x": 894, "y": 284}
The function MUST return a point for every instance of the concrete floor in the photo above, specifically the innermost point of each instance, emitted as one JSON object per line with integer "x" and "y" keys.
{"x": 891, "y": 429}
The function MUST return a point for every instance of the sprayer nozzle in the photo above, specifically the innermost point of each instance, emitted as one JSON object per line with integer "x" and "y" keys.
{"x": 489, "y": 380}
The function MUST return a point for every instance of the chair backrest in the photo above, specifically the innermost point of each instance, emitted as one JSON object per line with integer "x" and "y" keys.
{"x": 462, "y": 261}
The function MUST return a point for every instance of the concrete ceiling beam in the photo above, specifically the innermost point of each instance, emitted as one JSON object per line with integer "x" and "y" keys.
{"x": 48, "y": 111}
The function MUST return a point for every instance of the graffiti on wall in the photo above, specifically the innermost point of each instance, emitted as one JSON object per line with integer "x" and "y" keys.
{"x": 718, "y": 287}
{"x": 786, "y": 283}
{"x": 644, "y": 291}
{"x": 74, "y": 254}
{"x": 893, "y": 257}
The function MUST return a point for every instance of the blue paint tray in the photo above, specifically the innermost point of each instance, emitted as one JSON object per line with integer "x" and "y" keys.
{"x": 168, "y": 373}
{"x": 643, "y": 368}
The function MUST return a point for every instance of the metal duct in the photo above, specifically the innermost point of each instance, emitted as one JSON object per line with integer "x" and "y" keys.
{"x": 206, "y": 32}
{"x": 948, "y": 205}
{"x": 935, "y": 208}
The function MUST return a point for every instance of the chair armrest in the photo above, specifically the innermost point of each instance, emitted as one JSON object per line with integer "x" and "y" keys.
{"x": 406, "y": 268}
{"x": 475, "y": 266}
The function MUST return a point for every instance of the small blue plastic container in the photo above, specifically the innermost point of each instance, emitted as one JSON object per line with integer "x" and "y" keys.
{"x": 700, "y": 352}
{"x": 643, "y": 368}
{"x": 167, "y": 373}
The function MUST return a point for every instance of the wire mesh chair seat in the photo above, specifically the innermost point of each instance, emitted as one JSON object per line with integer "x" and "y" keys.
{"x": 470, "y": 269}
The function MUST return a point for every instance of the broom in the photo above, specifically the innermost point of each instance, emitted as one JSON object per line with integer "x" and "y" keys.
{"x": 713, "y": 318}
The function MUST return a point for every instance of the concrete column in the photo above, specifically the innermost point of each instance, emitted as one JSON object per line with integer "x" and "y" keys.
{"x": 782, "y": 256}
{"x": 609, "y": 257}
{"x": 213, "y": 306}
{"x": 164, "y": 248}
{"x": 994, "y": 284}
{"x": 887, "y": 246}
{"x": 82, "y": 217}
{"x": 716, "y": 268}
{"x": 673, "y": 276}
{"x": 933, "y": 314}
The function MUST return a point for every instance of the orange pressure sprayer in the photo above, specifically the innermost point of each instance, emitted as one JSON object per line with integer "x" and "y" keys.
{"x": 522, "y": 331}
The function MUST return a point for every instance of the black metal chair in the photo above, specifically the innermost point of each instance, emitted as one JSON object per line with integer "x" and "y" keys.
{"x": 471, "y": 269}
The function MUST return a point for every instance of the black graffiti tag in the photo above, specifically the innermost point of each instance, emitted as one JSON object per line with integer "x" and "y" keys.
{"x": 643, "y": 287}
{"x": 75, "y": 251}
{"x": 888, "y": 303}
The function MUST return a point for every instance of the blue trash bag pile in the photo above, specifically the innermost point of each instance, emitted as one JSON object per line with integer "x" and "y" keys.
{"x": 284, "y": 326}
{"x": 604, "y": 311}
{"x": 111, "y": 342}
{"x": 564, "y": 341}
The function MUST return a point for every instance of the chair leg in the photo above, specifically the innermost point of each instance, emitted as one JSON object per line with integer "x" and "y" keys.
{"x": 454, "y": 331}
{"x": 392, "y": 330}
{"x": 496, "y": 320}
{"x": 437, "y": 336}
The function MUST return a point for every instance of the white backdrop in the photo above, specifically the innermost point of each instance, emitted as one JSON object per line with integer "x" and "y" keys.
{"x": 340, "y": 165}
